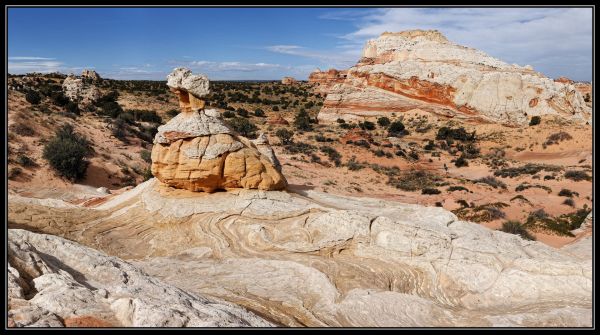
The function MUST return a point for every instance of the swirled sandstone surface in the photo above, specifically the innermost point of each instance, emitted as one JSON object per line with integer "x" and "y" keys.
{"x": 54, "y": 282}
{"x": 314, "y": 259}
{"x": 422, "y": 69}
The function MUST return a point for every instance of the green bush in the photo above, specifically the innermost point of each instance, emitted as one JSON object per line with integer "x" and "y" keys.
{"x": 242, "y": 112}
{"x": 383, "y": 122}
{"x": 428, "y": 190}
{"x": 577, "y": 175}
{"x": 33, "y": 97}
{"x": 459, "y": 134}
{"x": 66, "y": 152}
{"x": 461, "y": 161}
{"x": 535, "y": 120}
{"x": 397, "y": 129}
{"x": 72, "y": 108}
{"x": 25, "y": 161}
{"x": 493, "y": 182}
{"x": 259, "y": 112}
{"x": 228, "y": 114}
{"x": 302, "y": 121}
{"x": 243, "y": 127}
{"x": 333, "y": 154}
{"x": 285, "y": 136}
{"x": 367, "y": 125}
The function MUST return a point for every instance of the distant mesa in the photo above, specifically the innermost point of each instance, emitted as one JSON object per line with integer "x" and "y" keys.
{"x": 288, "y": 81}
{"x": 196, "y": 150}
{"x": 423, "y": 69}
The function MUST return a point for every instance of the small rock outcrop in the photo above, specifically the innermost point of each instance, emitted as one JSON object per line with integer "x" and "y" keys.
{"x": 288, "y": 80}
{"x": 80, "y": 91}
{"x": 324, "y": 80}
{"x": 278, "y": 120}
{"x": 422, "y": 69}
{"x": 196, "y": 150}
{"x": 91, "y": 75}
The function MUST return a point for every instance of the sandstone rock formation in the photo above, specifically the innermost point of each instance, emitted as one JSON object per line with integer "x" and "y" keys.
{"x": 315, "y": 259}
{"x": 91, "y": 75}
{"x": 79, "y": 91}
{"x": 53, "y": 282}
{"x": 288, "y": 81}
{"x": 196, "y": 150}
{"x": 422, "y": 69}
{"x": 324, "y": 80}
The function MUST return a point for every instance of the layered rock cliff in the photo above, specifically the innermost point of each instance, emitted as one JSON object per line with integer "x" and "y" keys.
{"x": 422, "y": 69}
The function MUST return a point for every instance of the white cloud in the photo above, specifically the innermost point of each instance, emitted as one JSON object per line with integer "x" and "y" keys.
{"x": 556, "y": 41}
{"x": 341, "y": 57}
{"x": 22, "y": 64}
{"x": 19, "y": 58}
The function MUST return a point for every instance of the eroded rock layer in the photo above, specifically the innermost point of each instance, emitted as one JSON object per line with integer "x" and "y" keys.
{"x": 422, "y": 69}
{"x": 314, "y": 259}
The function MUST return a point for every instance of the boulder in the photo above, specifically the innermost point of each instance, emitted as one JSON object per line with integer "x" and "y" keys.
{"x": 79, "y": 91}
{"x": 90, "y": 74}
{"x": 288, "y": 81}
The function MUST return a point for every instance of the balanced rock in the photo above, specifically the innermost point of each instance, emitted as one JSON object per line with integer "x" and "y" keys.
{"x": 196, "y": 150}
{"x": 422, "y": 69}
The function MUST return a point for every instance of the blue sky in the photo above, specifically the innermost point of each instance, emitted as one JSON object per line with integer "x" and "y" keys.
{"x": 269, "y": 43}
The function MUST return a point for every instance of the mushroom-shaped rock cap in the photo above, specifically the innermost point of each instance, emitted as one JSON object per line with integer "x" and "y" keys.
{"x": 183, "y": 79}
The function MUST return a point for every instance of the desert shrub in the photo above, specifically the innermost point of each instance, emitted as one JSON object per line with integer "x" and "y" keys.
{"x": 275, "y": 109}
{"x": 173, "y": 113}
{"x": 577, "y": 175}
{"x": 340, "y": 121}
{"x": 457, "y": 188}
{"x": 242, "y": 112}
{"x": 569, "y": 202}
{"x": 383, "y": 122}
{"x": 72, "y": 108}
{"x": 379, "y": 153}
{"x": 285, "y": 135}
{"x": 321, "y": 138}
{"x": 33, "y": 97}
{"x": 535, "y": 120}
{"x": 429, "y": 146}
{"x": 333, "y": 154}
{"x": 461, "y": 161}
{"x": 413, "y": 180}
{"x": 14, "y": 172}
{"x": 515, "y": 227}
{"x": 147, "y": 174}
{"x": 145, "y": 115}
{"x": 228, "y": 114}
{"x": 367, "y": 125}
{"x": 525, "y": 186}
{"x": 302, "y": 121}
{"x": 243, "y": 127}
{"x": 111, "y": 109}
{"x": 458, "y": 134}
{"x": 557, "y": 138}
{"x": 59, "y": 99}
{"x": 146, "y": 156}
{"x": 482, "y": 213}
{"x": 397, "y": 129}
{"x": 529, "y": 169}
{"x": 567, "y": 193}
{"x": 493, "y": 182}
{"x": 300, "y": 148}
{"x": 428, "y": 190}
{"x": 25, "y": 161}
{"x": 259, "y": 112}
{"x": 360, "y": 143}
{"x": 23, "y": 129}
{"x": 469, "y": 150}
{"x": 520, "y": 197}
{"x": 353, "y": 165}
{"x": 119, "y": 130}
{"x": 66, "y": 152}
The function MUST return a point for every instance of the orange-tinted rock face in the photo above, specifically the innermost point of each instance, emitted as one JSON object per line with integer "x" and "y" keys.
{"x": 355, "y": 135}
{"x": 422, "y": 69}
{"x": 324, "y": 80}
{"x": 86, "y": 321}
{"x": 278, "y": 120}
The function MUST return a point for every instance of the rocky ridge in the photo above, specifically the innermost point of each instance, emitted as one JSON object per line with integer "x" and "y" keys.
{"x": 422, "y": 69}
